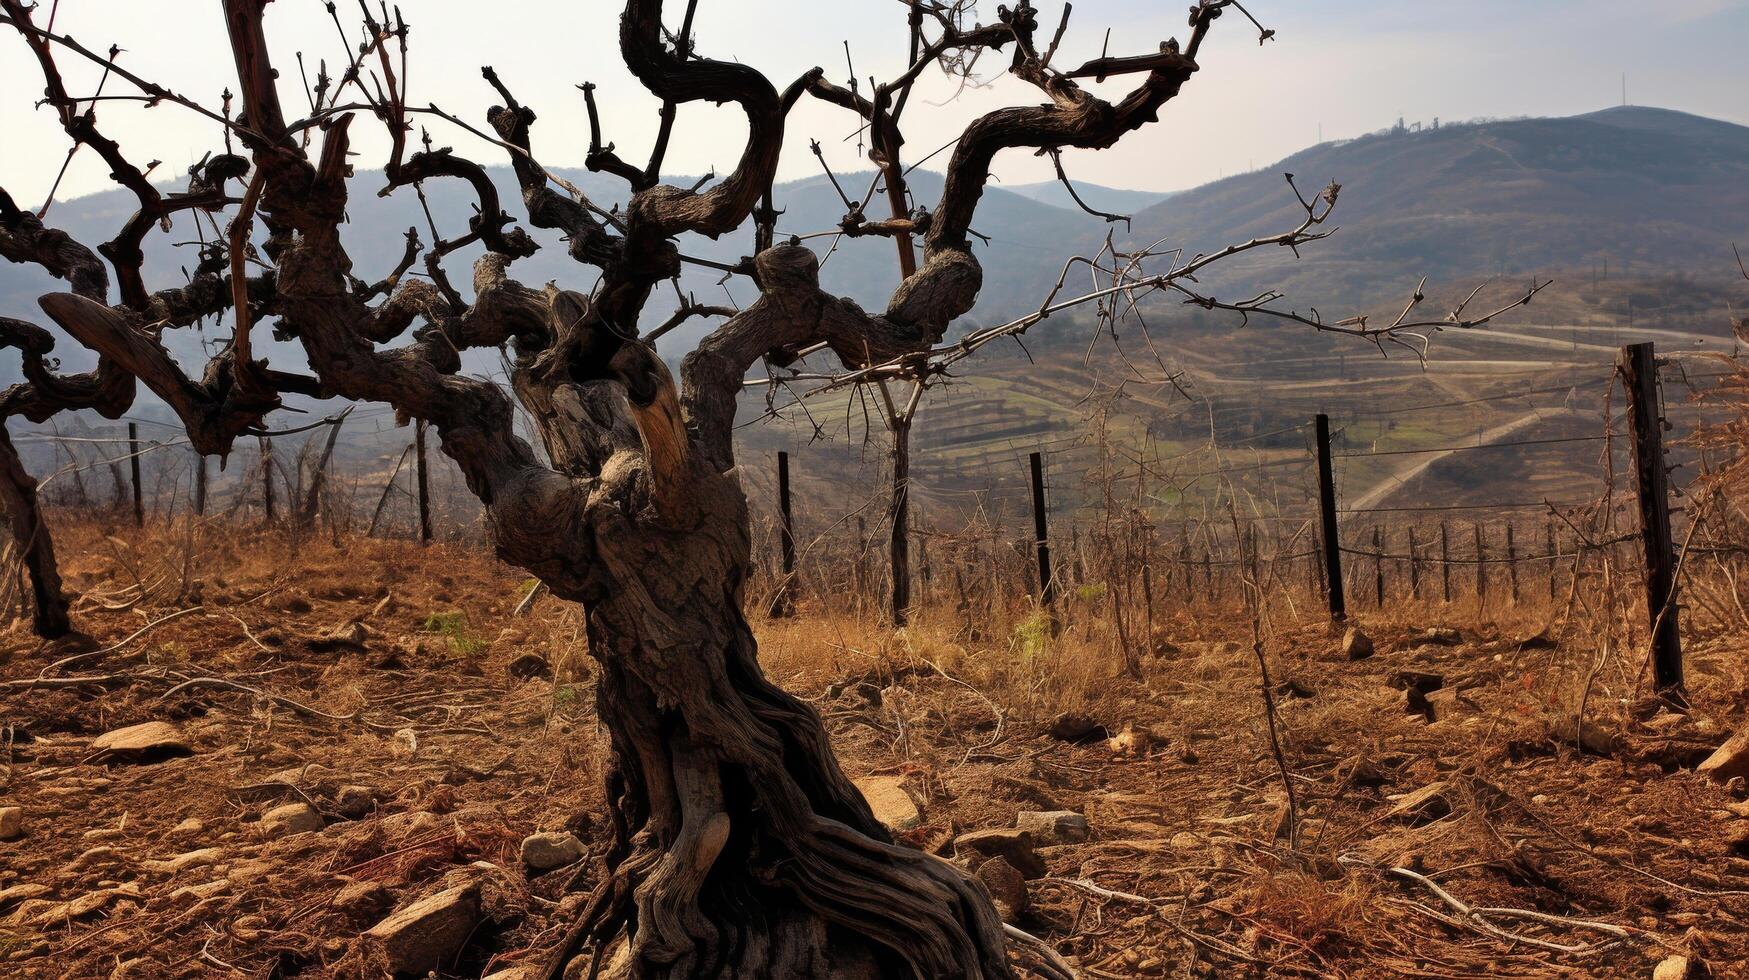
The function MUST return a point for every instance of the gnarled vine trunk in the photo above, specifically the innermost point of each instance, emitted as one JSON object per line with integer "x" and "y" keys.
{"x": 740, "y": 848}
{"x": 34, "y": 545}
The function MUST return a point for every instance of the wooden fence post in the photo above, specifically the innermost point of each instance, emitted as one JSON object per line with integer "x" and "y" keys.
{"x": 780, "y": 602}
{"x": 1041, "y": 546}
{"x": 1481, "y": 564}
{"x": 1327, "y": 509}
{"x": 1414, "y": 566}
{"x": 1639, "y": 376}
{"x": 1445, "y": 563}
{"x": 1554, "y": 559}
{"x": 266, "y": 446}
{"x": 200, "y": 484}
{"x": 1378, "y": 567}
{"x": 1512, "y": 564}
{"x": 134, "y": 460}
{"x": 900, "y": 517}
{"x": 424, "y": 482}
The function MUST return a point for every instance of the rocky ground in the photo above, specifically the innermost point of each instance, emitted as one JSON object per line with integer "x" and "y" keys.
{"x": 356, "y": 760}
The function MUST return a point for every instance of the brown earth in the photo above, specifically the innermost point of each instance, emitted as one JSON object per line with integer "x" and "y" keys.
{"x": 388, "y": 667}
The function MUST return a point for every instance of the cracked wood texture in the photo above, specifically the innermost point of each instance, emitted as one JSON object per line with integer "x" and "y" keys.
{"x": 741, "y": 849}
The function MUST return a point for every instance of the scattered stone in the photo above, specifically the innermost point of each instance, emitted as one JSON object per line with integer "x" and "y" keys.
{"x": 1415, "y": 680}
{"x": 1007, "y": 888}
{"x": 406, "y": 742}
{"x": 1356, "y": 645}
{"x": 152, "y": 741}
{"x": 1443, "y": 636}
{"x": 363, "y": 899}
{"x": 354, "y": 802}
{"x": 1593, "y": 739}
{"x": 11, "y": 822}
{"x": 292, "y": 818}
{"x": 1072, "y": 726}
{"x": 1730, "y": 760}
{"x": 1538, "y": 641}
{"x": 99, "y": 856}
{"x": 1133, "y": 741}
{"x": 346, "y": 636}
{"x": 1184, "y": 840}
{"x": 1013, "y": 844}
{"x": 1674, "y": 968}
{"x": 84, "y": 905}
{"x": 426, "y": 936}
{"x": 18, "y": 893}
{"x": 1364, "y": 772}
{"x": 1053, "y": 827}
{"x": 188, "y": 826}
{"x": 1425, "y": 805}
{"x": 891, "y": 804}
{"x": 530, "y": 665}
{"x": 544, "y": 852}
{"x": 1666, "y": 720}
{"x": 1447, "y": 703}
{"x": 1293, "y": 687}
{"x": 201, "y": 892}
{"x": 193, "y": 859}
{"x": 311, "y": 777}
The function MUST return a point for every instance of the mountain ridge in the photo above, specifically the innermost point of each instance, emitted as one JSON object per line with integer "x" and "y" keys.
{"x": 1640, "y": 190}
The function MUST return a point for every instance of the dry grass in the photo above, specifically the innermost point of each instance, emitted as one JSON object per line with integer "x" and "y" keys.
{"x": 1190, "y": 870}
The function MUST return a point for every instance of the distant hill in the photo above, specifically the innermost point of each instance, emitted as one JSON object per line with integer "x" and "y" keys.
{"x": 1647, "y": 191}
{"x": 1112, "y": 200}
{"x": 1025, "y": 243}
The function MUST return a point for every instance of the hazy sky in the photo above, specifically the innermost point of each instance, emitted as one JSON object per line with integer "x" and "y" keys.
{"x": 1347, "y": 66}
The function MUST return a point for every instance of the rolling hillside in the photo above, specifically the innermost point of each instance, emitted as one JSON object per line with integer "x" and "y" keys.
{"x": 1647, "y": 191}
{"x": 1652, "y": 196}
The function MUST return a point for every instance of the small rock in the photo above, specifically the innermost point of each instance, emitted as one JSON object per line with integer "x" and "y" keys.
{"x": 353, "y": 802}
{"x": 1364, "y": 772}
{"x": 426, "y": 936}
{"x": 544, "y": 852}
{"x": 1415, "y": 680}
{"x": 181, "y": 862}
{"x": 149, "y": 742}
{"x": 1425, "y": 805}
{"x": 292, "y": 818}
{"x": 84, "y": 905}
{"x": 1072, "y": 726}
{"x": 1356, "y": 645}
{"x": 530, "y": 665}
{"x": 201, "y": 892}
{"x": 1007, "y": 887}
{"x": 1132, "y": 742}
{"x": 18, "y": 893}
{"x": 99, "y": 856}
{"x": 1595, "y": 740}
{"x": 406, "y": 742}
{"x": 11, "y": 822}
{"x": 892, "y": 806}
{"x": 1730, "y": 760}
{"x": 1538, "y": 641}
{"x": 188, "y": 826}
{"x": 346, "y": 636}
{"x": 1674, "y": 968}
{"x": 363, "y": 899}
{"x": 1013, "y": 844}
{"x": 1053, "y": 827}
